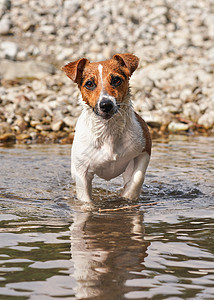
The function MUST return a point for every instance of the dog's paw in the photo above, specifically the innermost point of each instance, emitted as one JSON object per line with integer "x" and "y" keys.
{"x": 129, "y": 195}
{"x": 87, "y": 207}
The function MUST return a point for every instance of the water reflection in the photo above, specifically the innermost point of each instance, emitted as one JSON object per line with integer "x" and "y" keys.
{"x": 107, "y": 256}
{"x": 106, "y": 251}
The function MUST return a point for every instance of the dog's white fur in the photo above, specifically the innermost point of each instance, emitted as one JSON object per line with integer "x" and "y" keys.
{"x": 108, "y": 148}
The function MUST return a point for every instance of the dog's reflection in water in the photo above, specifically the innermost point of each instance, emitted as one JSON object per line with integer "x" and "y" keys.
{"x": 107, "y": 250}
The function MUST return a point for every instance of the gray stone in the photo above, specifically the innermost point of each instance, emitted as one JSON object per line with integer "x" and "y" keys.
{"x": 37, "y": 114}
{"x": 9, "y": 49}
{"x": 69, "y": 121}
{"x": 65, "y": 53}
{"x": 185, "y": 94}
{"x": 5, "y": 5}
{"x": 4, "y": 128}
{"x": 22, "y": 55}
{"x": 42, "y": 127}
{"x": 156, "y": 118}
{"x": 57, "y": 125}
{"x": 71, "y": 6}
{"x": 48, "y": 29}
{"x": 191, "y": 111}
{"x": 5, "y": 25}
{"x": 207, "y": 119}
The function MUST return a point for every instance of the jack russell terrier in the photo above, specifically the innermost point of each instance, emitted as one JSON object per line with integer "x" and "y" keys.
{"x": 110, "y": 138}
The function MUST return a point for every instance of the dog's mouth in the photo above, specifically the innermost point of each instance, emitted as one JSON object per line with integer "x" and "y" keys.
{"x": 105, "y": 109}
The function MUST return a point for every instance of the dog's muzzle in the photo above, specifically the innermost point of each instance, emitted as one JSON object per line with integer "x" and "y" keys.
{"x": 106, "y": 108}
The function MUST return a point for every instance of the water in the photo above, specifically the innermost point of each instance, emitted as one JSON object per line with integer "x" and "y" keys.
{"x": 49, "y": 249}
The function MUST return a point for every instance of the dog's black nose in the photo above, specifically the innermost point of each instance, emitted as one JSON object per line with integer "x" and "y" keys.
{"x": 106, "y": 105}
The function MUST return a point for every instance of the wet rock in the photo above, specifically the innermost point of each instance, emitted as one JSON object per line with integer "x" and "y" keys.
{"x": 23, "y": 137}
{"x": 7, "y": 138}
{"x": 177, "y": 127}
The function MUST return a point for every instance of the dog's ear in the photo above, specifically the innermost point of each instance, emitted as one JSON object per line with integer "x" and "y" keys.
{"x": 74, "y": 69}
{"x": 127, "y": 59}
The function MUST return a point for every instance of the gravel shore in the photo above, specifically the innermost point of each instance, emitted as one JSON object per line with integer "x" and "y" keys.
{"x": 173, "y": 88}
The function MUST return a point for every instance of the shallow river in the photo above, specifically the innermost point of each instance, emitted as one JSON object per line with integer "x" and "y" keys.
{"x": 49, "y": 249}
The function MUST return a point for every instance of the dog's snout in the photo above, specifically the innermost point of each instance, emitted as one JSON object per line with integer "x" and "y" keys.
{"x": 106, "y": 105}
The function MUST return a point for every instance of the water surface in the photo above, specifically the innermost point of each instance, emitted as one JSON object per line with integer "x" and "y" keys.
{"x": 50, "y": 249}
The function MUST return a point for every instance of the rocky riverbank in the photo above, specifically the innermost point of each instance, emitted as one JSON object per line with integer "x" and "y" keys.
{"x": 172, "y": 89}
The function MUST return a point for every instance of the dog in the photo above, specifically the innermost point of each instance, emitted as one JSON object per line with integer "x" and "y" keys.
{"x": 110, "y": 137}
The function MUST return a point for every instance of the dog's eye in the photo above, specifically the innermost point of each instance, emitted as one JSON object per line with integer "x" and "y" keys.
{"x": 116, "y": 81}
{"x": 90, "y": 85}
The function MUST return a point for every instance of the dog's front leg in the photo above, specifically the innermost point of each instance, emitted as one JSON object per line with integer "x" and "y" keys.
{"x": 134, "y": 176}
{"x": 84, "y": 186}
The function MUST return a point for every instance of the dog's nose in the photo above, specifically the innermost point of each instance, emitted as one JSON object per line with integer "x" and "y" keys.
{"x": 106, "y": 105}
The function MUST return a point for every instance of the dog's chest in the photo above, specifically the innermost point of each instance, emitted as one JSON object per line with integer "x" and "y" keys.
{"x": 112, "y": 158}
{"x": 105, "y": 150}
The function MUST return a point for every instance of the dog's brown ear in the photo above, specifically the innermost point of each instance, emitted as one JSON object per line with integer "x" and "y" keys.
{"x": 127, "y": 59}
{"x": 74, "y": 69}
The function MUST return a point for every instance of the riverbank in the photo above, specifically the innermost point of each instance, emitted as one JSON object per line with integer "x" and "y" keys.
{"x": 172, "y": 88}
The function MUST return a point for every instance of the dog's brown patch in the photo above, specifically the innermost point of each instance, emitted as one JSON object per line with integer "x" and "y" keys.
{"x": 146, "y": 134}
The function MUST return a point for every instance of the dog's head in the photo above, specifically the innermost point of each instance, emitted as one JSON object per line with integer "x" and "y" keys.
{"x": 103, "y": 85}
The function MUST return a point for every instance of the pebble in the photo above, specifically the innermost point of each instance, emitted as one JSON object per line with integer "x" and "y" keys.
{"x": 69, "y": 121}
{"x": 37, "y": 114}
{"x": 156, "y": 118}
{"x": 65, "y": 54}
{"x": 7, "y": 138}
{"x": 57, "y": 125}
{"x": 207, "y": 120}
{"x": 5, "y": 25}
{"x": 23, "y": 137}
{"x": 4, "y": 6}
{"x": 185, "y": 94}
{"x": 20, "y": 125}
{"x": 177, "y": 127}
{"x": 4, "y": 128}
{"x": 191, "y": 111}
{"x": 42, "y": 127}
{"x": 10, "y": 50}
